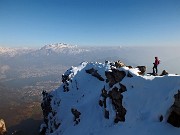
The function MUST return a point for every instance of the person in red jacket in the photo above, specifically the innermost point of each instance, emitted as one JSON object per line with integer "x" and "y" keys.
{"x": 156, "y": 63}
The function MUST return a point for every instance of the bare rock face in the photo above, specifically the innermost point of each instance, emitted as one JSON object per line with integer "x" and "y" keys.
{"x": 174, "y": 117}
{"x": 116, "y": 97}
{"x": 94, "y": 73}
{"x": 48, "y": 113}
{"x": 115, "y": 76}
{"x": 3, "y": 130}
{"x": 76, "y": 114}
{"x": 142, "y": 69}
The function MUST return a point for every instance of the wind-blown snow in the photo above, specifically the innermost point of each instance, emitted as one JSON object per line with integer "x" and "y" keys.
{"x": 146, "y": 99}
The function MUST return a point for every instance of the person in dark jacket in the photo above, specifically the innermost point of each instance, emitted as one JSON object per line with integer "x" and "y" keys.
{"x": 156, "y": 63}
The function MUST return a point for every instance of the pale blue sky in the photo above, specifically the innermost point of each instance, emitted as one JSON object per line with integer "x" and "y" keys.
{"x": 34, "y": 23}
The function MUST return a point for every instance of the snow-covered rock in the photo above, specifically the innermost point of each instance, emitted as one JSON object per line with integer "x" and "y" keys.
{"x": 121, "y": 102}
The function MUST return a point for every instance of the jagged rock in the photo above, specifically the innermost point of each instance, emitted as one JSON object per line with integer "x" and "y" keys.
{"x": 65, "y": 78}
{"x": 142, "y": 69}
{"x": 116, "y": 97}
{"x": 174, "y": 117}
{"x": 76, "y": 114}
{"x": 120, "y": 115}
{"x": 65, "y": 87}
{"x": 3, "y": 130}
{"x": 101, "y": 103}
{"x": 123, "y": 88}
{"x": 104, "y": 95}
{"x": 115, "y": 76}
{"x": 46, "y": 108}
{"x": 119, "y": 64}
{"x": 164, "y": 72}
{"x": 115, "y": 94}
{"x": 94, "y": 73}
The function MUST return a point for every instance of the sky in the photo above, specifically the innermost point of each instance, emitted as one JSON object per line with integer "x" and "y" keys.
{"x": 35, "y": 23}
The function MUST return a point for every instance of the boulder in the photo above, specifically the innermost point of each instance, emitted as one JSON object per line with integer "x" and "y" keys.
{"x": 3, "y": 130}
{"x": 142, "y": 69}
{"x": 164, "y": 72}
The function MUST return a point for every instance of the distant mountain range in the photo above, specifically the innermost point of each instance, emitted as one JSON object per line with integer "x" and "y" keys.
{"x": 71, "y": 55}
{"x": 45, "y": 50}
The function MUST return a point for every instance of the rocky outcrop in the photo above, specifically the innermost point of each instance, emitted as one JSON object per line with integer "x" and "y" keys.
{"x": 174, "y": 117}
{"x": 114, "y": 76}
{"x": 3, "y": 130}
{"x": 164, "y": 72}
{"x": 48, "y": 114}
{"x": 94, "y": 73}
{"x": 142, "y": 69}
{"x": 65, "y": 80}
{"x": 119, "y": 64}
{"x": 76, "y": 114}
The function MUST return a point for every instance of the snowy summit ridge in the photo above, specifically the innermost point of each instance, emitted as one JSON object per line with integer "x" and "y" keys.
{"x": 62, "y": 48}
{"x": 112, "y": 99}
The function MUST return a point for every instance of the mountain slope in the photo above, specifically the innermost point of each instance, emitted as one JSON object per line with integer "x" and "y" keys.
{"x": 111, "y": 98}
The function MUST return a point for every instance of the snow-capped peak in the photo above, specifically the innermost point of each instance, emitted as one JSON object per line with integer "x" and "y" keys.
{"x": 58, "y": 46}
{"x": 62, "y": 48}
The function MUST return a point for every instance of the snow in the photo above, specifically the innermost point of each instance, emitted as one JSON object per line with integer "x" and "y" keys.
{"x": 14, "y": 51}
{"x": 146, "y": 99}
{"x": 62, "y": 48}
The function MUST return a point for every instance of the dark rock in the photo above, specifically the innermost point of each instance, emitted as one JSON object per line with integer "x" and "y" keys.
{"x": 65, "y": 78}
{"x": 129, "y": 67}
{"x": 129, "y": 75}
{"x": 164, "y": 72}
{"x": 101, "y": 103}
{"x": 142, "y": 69}
{"x": 120, "y": 115}
{"x": 106, "y": 114}
{"x": 123, "y": 88}
{"x": 174, "y": 117}
{"x": 76, "y": 114}
{"x": 65, "y": 87}
{"x": 104, "y": 95}
{"x": 161, "y": 118}
{"x": 116, "y": 97}
{"x": 119, "y": 64}
{"x": 115, "y": 76}
{"x": 94, "y": 73}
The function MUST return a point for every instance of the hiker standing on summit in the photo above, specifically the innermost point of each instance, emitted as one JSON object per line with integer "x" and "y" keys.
{"x": 156, "y": 63}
